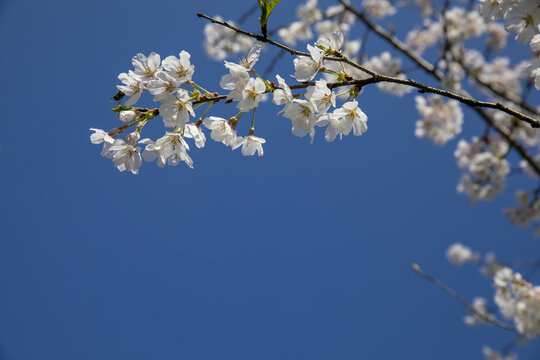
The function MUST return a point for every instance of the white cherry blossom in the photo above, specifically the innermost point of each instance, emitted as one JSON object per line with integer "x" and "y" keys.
{"x": 523, "y": 22}
{"x": 170, "y": 149}
{"x": 379, "y": 8}
{"x": 176, "y": 109}
{"x": 441, "y": 121}
{"x": 101, "y": 137}
{"x": 302, "y": 115}
{"x": 180, "y": 68}
{"x": 321, "y": 96}
{"x": 352, "y": 117}
{"x": 331, "y": 42}
{"x": 221, "y": 130}
{"x": 458, "y": 254}
{"x": 307, "y": 67}
{"x": 250, "y": 145}
{"x": 282, "y": 96}
{"x": 194, "y": 132}
{"x": 252, "y": 94}
{"x": 132, "y": 87}
{"x": 145, "y": 68}
{"x": 126, "y": 156}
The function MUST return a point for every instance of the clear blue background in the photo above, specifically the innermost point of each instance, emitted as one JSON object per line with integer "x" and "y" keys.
{"x": 304, "y": 253}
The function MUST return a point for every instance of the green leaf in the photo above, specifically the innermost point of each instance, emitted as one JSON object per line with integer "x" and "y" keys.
{"x": 266, "y": 9}
{"x": 271, "y": 6}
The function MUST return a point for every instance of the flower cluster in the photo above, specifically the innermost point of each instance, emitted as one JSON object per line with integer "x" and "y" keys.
{"x": 222, "y": 42}
{"x": 527, "y": 211}
{"x": 167, "y": 81}
{"x": 164, "y": 79}
{"x": 484, "y": 158}
{"x": 518, "y": 300}
{"x": 458, "y": 254}
{"x": 441, "y": 121}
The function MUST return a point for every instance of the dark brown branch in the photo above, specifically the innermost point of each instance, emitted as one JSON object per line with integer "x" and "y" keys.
{"x": 511, "y": 141}
{"x": 498, "y": 92}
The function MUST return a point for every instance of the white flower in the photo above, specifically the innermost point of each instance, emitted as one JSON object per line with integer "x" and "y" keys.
{"x": 221, "y": 130}
{"x": 180, "y": 68}
{"x": 491, "y": 9}
{"x": 527, "y": 211}
{"x": 250, "y": 144}
{"x": 195, "y": 132}
{"x": 221, "y": 42}
{"x": 334, "y": 128}
{"x": 145, "y": 68}
{"x": 535, "y": 43}
{"x": 462, "y": 24}
{"x": 309, "y": 12}
{"x": 298, "y": 30}
{"x": 170, "y": 149}
{"x": 496, "y": 36}
{"x": 321, "y": 96}
{"x": 283, "y": 95}
{"x": 126, "y": 156}
{"x": 331, "y": 42}
{"x": 534, "y": 69}
{"x": 502, "y": 77}
{"x": 132, "y": 87}
{"x": 420, "y": 40}
{"x": 352, "y": 118}
{"x": 522, "y": 22}
{"x": 252, "y": 58}
{"x": 384, "y": 64}
{"x": 343, "y": 120}
{"x": 176, "y": 109}
{"x": 441, "y": 121}
{"x": 378, "y": 8}
{"x": 503, "y": 277}
{"x": 101, "y": 137}
{"x": 163, "y": 83}
{"x": 302, "y": 115}
{"x": 252, "y": 94}
{"x": 235, "y": 81}
{"x": 306, "y": 68}
{"x": 459, "y": 254}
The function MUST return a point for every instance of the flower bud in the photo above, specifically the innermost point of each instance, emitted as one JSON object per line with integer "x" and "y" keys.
{"x": 127, "y": 115}
{"x": 115, "y": 131}
{"x": 132, "y": 138}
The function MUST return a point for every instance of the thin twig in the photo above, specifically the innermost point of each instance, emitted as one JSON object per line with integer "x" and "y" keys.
{"x": 461, "y": 300}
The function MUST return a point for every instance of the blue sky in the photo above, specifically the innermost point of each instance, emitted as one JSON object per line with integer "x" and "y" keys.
{"x": 304, "y": 253}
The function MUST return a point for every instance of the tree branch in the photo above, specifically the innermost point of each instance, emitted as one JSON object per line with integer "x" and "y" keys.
{"x": 375, "y": 77}
{"x": 461, "y": 300}
{"x": 395, "y": 42}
